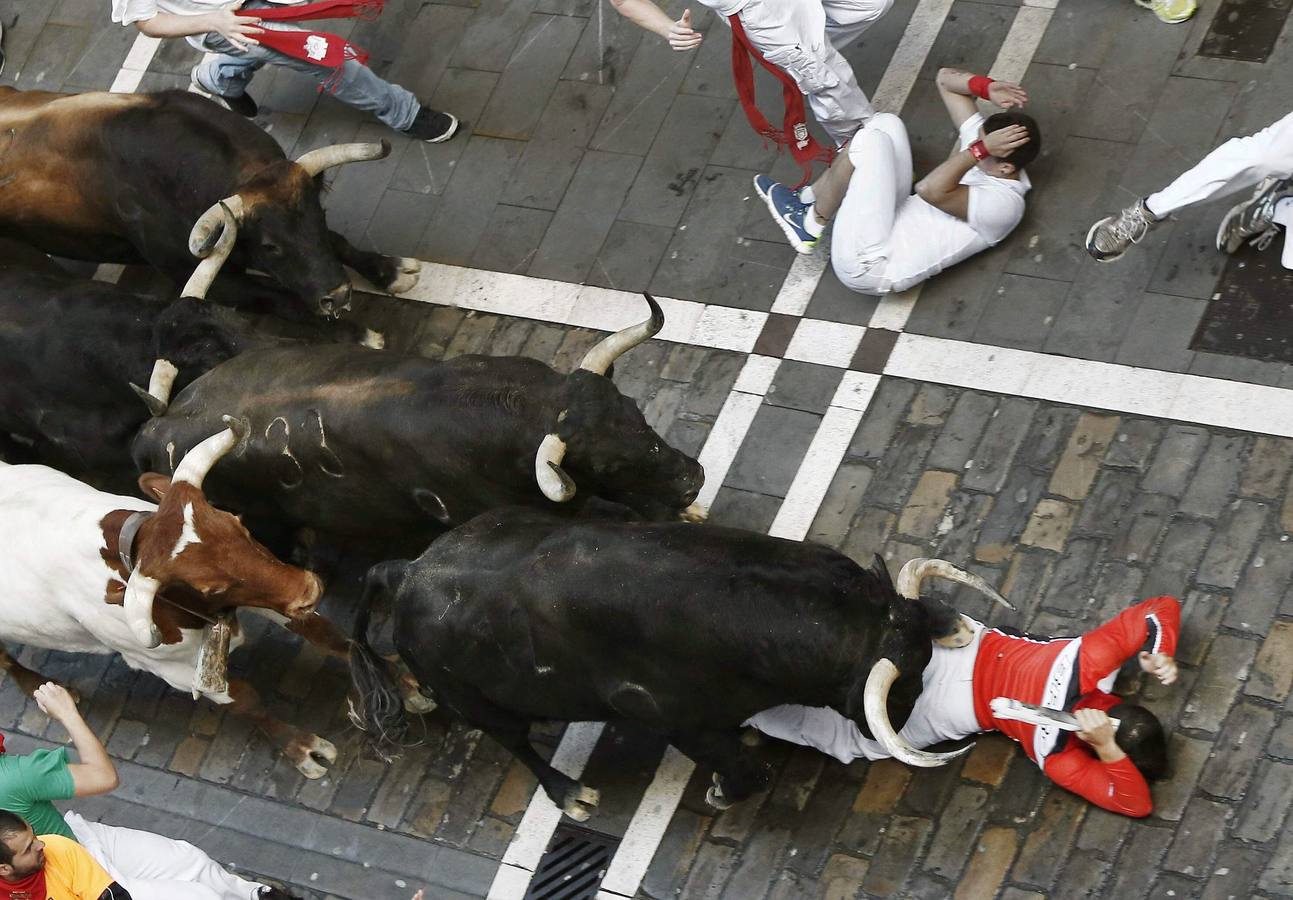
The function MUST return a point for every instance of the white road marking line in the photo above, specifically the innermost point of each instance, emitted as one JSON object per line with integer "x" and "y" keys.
{"x": 909, "y": 56}
{"x": 733, "y": 423}
{"x": 824, "y": 343}
{"x": 132, "y": 70}
{"x": 801, "y": 281}
{"x": 649, "y": 823}
{"x": 1021, "y": 42}
{"x": 824, "y": 455}
{"x": 541, "y": 816}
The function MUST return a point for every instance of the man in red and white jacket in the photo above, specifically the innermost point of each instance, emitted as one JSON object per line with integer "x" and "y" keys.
{"x": 1106, "y": 766}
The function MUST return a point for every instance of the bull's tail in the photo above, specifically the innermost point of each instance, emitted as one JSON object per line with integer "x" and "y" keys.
{"x": 377, "y": 706}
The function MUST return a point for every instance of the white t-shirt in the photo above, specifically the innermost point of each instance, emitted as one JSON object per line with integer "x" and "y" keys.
{"x": 925, "y": 240}
{"x": 128, "y": 12}
{"x": 726, "y": 8}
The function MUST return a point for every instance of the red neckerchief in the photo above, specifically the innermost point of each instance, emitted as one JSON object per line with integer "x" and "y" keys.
{"x": 794, "y": 129}
{"x": 30, "y": 888}
{"x": 319, "y": 47}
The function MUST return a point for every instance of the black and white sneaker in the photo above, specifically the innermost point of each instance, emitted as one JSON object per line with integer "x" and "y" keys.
{"x": 1254, "y": 218}
{"x": 433, "y": 126}
{"x": 243, "y": 105}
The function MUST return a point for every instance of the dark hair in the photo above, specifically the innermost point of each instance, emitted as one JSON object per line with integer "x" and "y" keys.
{"x": 10, "y": 824}
{"x": 1023, "y": 155}
{"x": 1141, "y": 737}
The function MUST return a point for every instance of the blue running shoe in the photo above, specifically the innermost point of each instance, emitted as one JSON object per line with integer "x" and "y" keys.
{"x": 788, "y": 211}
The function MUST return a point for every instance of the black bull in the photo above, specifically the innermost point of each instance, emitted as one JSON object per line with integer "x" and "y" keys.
{"x": 387, "y": 450}
{"x": 123, "y": 178}
{"x": 690, "y": 630}
{"x": 71, "y": 348}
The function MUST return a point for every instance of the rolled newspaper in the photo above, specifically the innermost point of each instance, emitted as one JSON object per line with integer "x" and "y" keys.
{"x": 1005, "y": 708}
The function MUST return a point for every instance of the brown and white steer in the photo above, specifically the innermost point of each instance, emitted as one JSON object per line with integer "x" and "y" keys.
{"x": 99, "y": 573}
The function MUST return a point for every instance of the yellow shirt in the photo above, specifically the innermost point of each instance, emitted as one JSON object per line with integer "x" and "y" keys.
{"x": 71, "y": 873}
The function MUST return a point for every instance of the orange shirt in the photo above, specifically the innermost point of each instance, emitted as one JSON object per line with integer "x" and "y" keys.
{"x": 71, "y": 873}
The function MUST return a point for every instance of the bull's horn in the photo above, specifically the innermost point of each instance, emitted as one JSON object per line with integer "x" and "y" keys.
{"x": 875, "y": 699}
{"x": 195, "y": 465}
{"x": 917, "y": 570}
{"x": 203, "y": 235}
{"x": 158, "y": 396}
{"x": 610, "y": 348}
{"x": 556, "y": 485}
{"x": 138, "y": 605}
{"x": 214, "y": 257}
{"x": 316, "y": 161}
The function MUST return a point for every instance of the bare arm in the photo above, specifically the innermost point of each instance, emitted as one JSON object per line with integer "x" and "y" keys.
{"x": 237, "y": 30}
{"x": 954, "y": 88}
{"x": 95, "y": 773}
{"x": 942, "y": 187}
{"x": 645, "y": 14}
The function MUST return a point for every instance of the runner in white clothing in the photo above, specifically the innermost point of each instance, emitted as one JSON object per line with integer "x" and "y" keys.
{"x": 1264, "y": 159}
{"x": 801, "y": 37}
{"x": 887, "y": 238}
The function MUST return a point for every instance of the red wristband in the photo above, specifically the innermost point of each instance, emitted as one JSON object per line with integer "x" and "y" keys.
{"x": 979, "y": 150}
{"x": 979, "y": 86}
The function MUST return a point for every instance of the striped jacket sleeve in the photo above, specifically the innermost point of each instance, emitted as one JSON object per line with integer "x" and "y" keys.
{"x": 1152, "y": 625}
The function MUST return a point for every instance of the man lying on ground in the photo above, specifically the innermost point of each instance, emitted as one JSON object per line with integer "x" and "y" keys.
{"x": 887, "y": 238}
{"x": 49, "y": 867}
{"x": 1106, "y": 765}
{"x": 151, "y": 867}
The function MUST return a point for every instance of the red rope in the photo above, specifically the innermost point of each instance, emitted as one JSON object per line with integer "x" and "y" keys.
{"x": 794, "y": 129}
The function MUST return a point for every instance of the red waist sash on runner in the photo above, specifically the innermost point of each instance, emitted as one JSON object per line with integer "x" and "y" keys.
{"x": 319, "y": 47}
{"x": 794, "y": 129}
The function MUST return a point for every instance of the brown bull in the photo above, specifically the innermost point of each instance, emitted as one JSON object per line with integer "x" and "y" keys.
{"x": 123, "y": 178}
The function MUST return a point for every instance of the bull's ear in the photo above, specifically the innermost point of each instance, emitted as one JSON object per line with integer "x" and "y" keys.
{"x": 154, "y": 485}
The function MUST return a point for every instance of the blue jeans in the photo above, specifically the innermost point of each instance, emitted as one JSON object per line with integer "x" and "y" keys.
{"x": 229, "y": 73}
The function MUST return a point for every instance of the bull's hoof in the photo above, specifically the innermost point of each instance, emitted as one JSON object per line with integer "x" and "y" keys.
{"x": 408, "y": 270}
{"x": 581, "y": 805}
{"x": 373, "y": 339}
{"x": 316, "y": 755}
{"x": 714, "y": 796}
{"x": 695, "y": 514}
{"x": 417, "y": 703}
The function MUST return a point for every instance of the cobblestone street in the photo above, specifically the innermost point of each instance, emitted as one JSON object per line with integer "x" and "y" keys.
{"x": 1047, "y": 422}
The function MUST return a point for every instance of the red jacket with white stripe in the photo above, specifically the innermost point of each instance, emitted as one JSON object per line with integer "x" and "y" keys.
{"x": 1074, "y": 673}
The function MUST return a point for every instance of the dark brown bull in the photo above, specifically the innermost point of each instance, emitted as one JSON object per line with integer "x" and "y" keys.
{"x": 123, "y": 178}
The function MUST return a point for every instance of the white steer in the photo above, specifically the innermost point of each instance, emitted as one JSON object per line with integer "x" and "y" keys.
{"x": 158, "y": 583}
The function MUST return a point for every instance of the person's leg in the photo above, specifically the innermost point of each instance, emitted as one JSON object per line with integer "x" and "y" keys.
{"x": 355, "y": 85}
{"x": 142, "y": 857}
{"x": 1237, "y": 164}
{"x": 817, "y": 727}
{"x": 880, "y": 184}
{"x": 847, "y": 19}
{"x": 791, "y": 34}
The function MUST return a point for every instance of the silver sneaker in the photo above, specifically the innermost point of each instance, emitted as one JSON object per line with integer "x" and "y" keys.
{"x": 1109, "y": 238}
{"x": 1254, "y": 218}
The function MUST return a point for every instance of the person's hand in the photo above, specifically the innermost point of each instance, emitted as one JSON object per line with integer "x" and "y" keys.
{"x": 681, "y": 35}
{"x": 55, "y": 702}
{"x": 237, "y": 30}
{"x": 1096, "y": 727}
{"x": 1160, "y": 665}
{"x": 1007, "y": 95}
{"x": 1003, "y": 140}
{"x": 419, "y": 895}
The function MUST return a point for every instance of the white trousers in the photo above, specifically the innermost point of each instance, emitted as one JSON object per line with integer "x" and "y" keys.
{"x": 1237, "y": 164}
{"x": 879, "y": 186}
{"x": 943, "y": 711}
{"x": 153, "y": 867}
{"x": 801, "y": 37}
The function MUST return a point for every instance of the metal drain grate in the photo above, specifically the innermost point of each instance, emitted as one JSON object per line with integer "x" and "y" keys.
{"x": 574, "y": 865}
